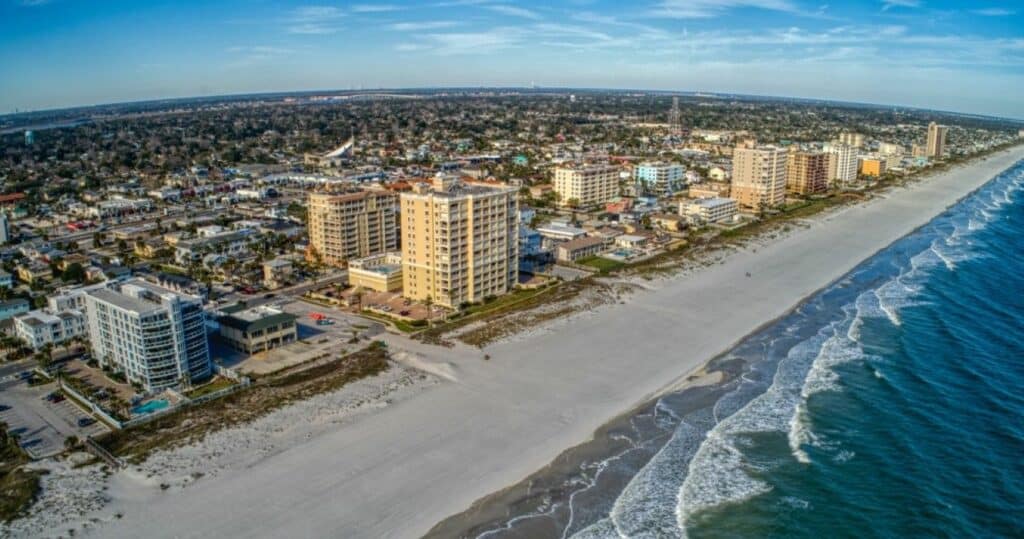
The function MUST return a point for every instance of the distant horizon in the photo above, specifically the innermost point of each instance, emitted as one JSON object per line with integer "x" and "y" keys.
{"x": 537, "y": 89}
{"x": 951, "y": 55}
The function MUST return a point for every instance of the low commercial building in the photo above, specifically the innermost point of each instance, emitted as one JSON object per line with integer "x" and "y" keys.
{"x": 574, "y": 250}
{"x": 257, "y": 329}
{"x": 708, "y": 210}
{"x": 380, "y": 273}
{"x": 555, "y": 233}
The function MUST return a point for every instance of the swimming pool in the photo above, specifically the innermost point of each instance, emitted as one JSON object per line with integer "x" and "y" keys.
{"x": 150, "y": 407}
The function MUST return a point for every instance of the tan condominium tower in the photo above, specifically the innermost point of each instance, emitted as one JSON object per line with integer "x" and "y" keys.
{"x": 807, "y": 172}
{"x": 586, "y": 185}
{"x": 355, "y": 224}
{"x": 759, "y": 176}
{"x": 460, "y": 241}
{"x": 936, "y": 140}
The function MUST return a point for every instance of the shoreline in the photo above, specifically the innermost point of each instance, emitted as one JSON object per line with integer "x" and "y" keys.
{"x": 529, "y": 502}
{"x": 496, "y": 422}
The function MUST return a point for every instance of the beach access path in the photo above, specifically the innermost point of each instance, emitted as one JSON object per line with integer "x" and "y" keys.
{"x": 399, "y": 472}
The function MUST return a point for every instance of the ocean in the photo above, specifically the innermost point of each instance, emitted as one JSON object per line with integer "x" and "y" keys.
{"x": 890, "y": 404}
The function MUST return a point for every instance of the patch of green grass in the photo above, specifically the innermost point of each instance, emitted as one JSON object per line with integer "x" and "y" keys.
{"x": 603, "y": 265}
{"x": 216, "y": 384}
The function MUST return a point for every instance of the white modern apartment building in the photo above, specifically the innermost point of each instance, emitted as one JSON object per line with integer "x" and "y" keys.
{"x": 39, "y": 328}
{"x": 660, "y": 178}
{"x": 586, "y": 185}
{"x": 708, "y": 210}
{"x": 155, "y": 336}
{"x": 842, "y": 162}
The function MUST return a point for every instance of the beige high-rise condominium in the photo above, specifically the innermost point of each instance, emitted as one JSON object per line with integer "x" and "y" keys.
{"x": 759, "y": 176}
{"x": 350, "y": 225}
{"x": 587, "y": 185}
{"x": 807, "y": 172}
{"x": 460, "y": 241}
{"x": 936, "y": 140}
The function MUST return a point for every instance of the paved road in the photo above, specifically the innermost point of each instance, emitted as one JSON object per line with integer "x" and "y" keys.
{"x": 15, "y": 367}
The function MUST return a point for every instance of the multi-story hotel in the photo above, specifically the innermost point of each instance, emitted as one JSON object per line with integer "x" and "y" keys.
{"x": 758, "y": 176}
{"x": 343, "y": 226}
{"x": 155, "y": 336}
{"x": 587, "y": 185}
{"x": 660, "y": 178}
{"x": 460, "y": 241}
{"x": 807, "y": 172}
{"x": 842, "y": 162}
{"x": 872, "y": 166}
{"x": 936, "y": 140}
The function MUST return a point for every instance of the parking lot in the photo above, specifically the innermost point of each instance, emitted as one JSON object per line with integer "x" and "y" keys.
{"x": 42, "y": 426}
{"x": 314, "y": 340}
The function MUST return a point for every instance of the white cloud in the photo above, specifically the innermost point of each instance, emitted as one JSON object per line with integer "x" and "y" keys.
{"x": 702, "y": 9}
{"x": 513, "y": 11}
{"x": 889, "y": 4}
{"x": 993, "y": 12}
{"x": 373, "y": 8}
{"x": 420, "y": 26}
{"x": 313, "y": 20}
{"x": 315, "y": 13}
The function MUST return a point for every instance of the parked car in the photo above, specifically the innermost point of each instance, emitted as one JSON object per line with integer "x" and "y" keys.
{"x": 4, "y": 407}
{"x": 85, "y": 421}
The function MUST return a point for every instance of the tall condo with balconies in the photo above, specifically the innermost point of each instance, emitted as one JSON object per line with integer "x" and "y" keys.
{"x": 344, "y": 226}
{"x": 460, "y": 241}
{"x": 155, "y": 336}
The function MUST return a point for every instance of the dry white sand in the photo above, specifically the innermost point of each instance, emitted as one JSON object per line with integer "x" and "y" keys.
{"x": 399, "y": 472}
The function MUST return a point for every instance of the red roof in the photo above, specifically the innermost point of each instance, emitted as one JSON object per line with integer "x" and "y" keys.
{"x": 11, "y": 197}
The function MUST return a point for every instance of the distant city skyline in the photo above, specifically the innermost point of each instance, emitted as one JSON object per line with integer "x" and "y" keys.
{"x": 951, "y": 55}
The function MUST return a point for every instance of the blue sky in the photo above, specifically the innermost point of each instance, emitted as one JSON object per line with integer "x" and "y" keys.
{"x": 964, "y": 56}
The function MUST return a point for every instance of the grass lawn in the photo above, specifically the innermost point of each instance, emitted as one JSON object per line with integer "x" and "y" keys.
{"x": 217, "y": 384}
{"x": 603, "y": 265}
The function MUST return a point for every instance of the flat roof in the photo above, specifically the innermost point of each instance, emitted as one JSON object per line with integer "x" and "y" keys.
{"x": 122, "y": 301}
{"x": 256, "y": 318}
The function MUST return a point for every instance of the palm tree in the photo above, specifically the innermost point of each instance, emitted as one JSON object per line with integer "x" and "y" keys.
{"x": 429, "y": 302}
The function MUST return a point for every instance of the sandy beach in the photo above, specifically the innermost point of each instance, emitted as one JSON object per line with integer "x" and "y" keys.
{"x": 398, "y": 471}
